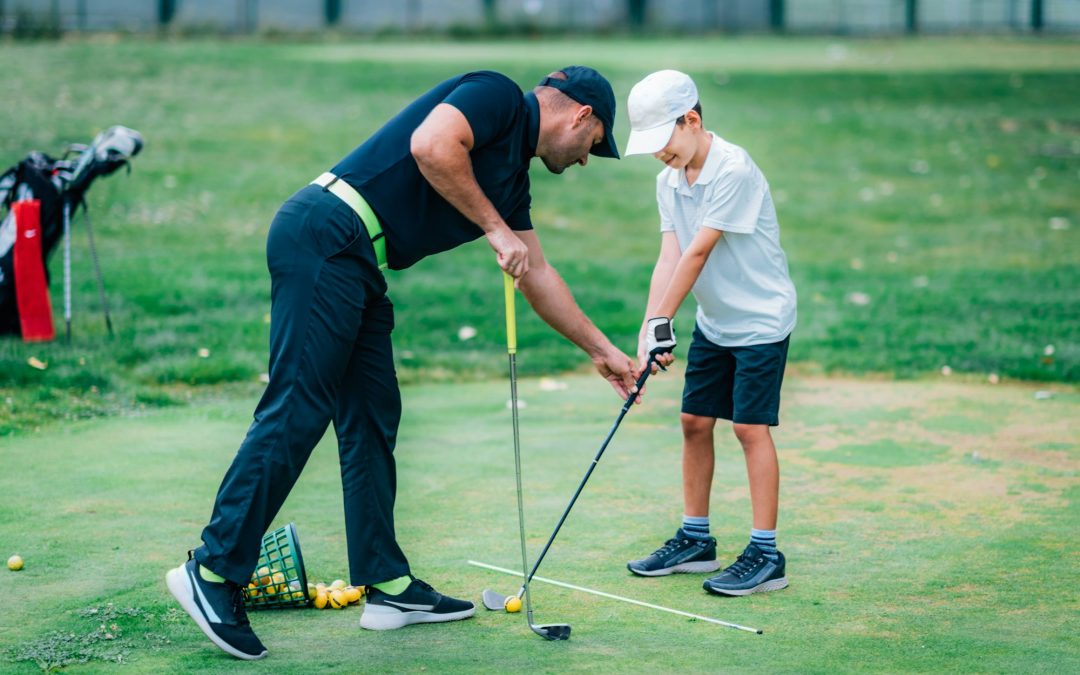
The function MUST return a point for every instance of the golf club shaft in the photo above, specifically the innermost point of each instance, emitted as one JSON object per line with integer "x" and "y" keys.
{"x": 511, "y": 351}
{"x": 618, "y": 420}
{"x": 67, "y": 269}
{"x": 97, "y": 272}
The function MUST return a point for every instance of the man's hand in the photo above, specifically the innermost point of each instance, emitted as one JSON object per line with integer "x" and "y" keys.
{"x": 511, "y": 253}
{"x": 618, "y": 369}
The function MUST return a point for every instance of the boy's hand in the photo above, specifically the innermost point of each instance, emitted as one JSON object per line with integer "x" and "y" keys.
{"x": 659, "y": 337}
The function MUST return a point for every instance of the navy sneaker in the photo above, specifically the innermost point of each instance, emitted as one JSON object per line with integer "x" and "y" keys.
{"x": 678, "y": 556}
{"x": 752, "y": 572}
{"x": 419, "y": 603}
{"x": 218, "y": 609}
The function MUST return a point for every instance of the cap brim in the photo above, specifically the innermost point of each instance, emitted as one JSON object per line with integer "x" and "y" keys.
{"x": 648, "y": 141}
{"x": 607, "y": 147}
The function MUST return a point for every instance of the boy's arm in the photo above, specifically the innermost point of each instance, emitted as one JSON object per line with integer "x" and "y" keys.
{"x": 682, "y": 279}
{"x": 687, "y": 271}
{"x": 661, "y": 278}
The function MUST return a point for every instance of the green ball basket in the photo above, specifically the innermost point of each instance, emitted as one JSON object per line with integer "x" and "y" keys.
{"x": 279, "y": 581}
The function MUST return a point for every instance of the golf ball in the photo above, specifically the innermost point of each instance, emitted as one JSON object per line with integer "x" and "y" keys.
{"x": 513, "y": 604}
{"x": 15, "y": 563}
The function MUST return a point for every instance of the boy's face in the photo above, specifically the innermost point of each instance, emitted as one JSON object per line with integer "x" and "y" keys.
{"x": 683, "y": 144}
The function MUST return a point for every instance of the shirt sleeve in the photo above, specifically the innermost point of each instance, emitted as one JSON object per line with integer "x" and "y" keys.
{"x": 489, "y": 102}
{"x": 735, "y": 201}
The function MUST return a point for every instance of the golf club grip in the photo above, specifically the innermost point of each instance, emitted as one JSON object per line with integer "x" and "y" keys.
{"x": 511, "y": 316}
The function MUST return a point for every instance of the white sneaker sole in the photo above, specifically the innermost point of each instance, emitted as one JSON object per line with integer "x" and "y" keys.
{"x": 684, "y": 568}
{"x": 180, "y": 587}
{"x": 774, "y": 585}
{"x": 380, "y": 617}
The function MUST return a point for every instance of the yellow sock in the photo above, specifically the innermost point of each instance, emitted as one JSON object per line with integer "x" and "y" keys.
{"x": 208, "y": 575}
{"x": 394, "y": 586}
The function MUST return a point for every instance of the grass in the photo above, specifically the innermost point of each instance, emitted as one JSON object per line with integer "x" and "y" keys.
{"x": 926, "y": 190}
{"x": 925, "y": 527}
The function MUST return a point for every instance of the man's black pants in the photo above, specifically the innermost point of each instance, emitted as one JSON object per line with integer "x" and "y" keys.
{"x": 330, "y": 360}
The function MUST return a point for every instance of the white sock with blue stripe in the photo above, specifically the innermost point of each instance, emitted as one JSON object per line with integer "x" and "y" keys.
{"x": 765, "y": 540}
{"x": 696, "y": 527}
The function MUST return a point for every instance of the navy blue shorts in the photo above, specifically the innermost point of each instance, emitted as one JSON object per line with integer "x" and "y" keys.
{"x": 741, "y": 384}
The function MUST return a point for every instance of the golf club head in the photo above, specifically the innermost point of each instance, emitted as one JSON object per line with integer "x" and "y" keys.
{"x": 552, "y": 631}
{"x": 494, "y": 601}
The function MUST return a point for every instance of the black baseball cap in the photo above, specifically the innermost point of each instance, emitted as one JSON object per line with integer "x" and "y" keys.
{"x": 588, "y": 87}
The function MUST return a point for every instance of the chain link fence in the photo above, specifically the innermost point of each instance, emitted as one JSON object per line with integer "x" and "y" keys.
{"x": 28, "y": 18}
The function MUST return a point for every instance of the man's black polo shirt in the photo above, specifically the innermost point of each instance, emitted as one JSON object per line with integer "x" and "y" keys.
{"x": 417, "y": 221}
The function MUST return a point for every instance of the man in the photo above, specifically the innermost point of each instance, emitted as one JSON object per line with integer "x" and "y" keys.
{"x": 449, "y": 168}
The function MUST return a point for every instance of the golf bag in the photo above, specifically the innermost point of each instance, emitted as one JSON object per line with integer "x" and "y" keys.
{"x": 59, "y": 186}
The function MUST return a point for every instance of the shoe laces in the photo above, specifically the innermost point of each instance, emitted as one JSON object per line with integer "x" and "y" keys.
{"x": 238, "y": 606}
{"x": 742, "y": 566}
{"x": 668, "y": 548}
{"x": 424, "y": 585}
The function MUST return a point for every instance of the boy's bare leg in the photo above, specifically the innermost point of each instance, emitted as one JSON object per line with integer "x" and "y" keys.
{"x": 698, "y": 462}
{"x": 763, "y": 470}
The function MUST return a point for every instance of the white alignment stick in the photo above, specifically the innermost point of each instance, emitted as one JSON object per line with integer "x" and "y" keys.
{"x": 616, "y": 597}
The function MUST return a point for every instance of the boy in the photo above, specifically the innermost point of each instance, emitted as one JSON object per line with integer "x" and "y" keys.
{"x": 720, "y": 239}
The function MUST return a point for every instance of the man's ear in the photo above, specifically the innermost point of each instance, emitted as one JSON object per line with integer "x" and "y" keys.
{"x": 582, "y": 114}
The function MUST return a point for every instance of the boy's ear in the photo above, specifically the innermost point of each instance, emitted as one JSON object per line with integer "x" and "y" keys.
{"x": 692, "y": 118}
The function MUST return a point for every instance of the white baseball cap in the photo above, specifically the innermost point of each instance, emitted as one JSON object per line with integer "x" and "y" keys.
{"x": 653, "y": 106}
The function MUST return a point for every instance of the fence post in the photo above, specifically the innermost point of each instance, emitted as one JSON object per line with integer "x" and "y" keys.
{"x": 636, "y": 11}
{"x": 332, "y": 12}
{"x": 1037, "y": 15}
{"x": 166, "y": 11}
{"x": 911, "y": 16}
{"x": 776, "y": 15}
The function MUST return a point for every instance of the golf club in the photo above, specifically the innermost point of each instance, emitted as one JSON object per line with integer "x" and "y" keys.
{"x": 548, "y": 631}
{"x": 495, "y": 601}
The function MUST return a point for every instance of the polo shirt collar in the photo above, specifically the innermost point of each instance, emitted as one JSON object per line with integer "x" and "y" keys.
{"x": 532, "y": 124}
{"x": 709, "y": 172}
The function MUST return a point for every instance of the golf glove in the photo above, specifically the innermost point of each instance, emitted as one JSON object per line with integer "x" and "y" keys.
{"x": 659, "y": 336}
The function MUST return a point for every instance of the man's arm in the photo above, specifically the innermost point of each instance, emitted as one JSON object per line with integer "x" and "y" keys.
{"x": 552, "y": 300}
{"x": 441, "y": 146}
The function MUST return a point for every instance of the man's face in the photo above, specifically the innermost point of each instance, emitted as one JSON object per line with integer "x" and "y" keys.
{"x": 681, "y": 146}
{"x": 572, "y": 144}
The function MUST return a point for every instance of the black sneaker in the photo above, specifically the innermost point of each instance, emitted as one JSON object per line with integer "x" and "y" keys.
{"x": 419, "y": 603}
{"x": 218, "y": 609}
{"x": 752, "y": 572}
{"x": 679, "y": 555}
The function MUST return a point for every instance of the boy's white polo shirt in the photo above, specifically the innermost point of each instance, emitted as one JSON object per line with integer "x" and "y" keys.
{"x": 744, "y": 293}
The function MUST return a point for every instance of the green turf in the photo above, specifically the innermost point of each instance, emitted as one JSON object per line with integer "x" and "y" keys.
{"x": 926, "y": 190}
{"x": 954, "y": 556}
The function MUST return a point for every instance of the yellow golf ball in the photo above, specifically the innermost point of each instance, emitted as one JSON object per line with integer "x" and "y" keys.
{"x": 338, "y": 599}
{"x": 15, "y": 563}
{"x": 513, "y": 604}
{"x": 352, "y": 594}
{"x": 321, "y": 599}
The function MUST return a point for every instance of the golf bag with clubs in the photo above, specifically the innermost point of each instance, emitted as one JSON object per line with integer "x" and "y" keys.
{"x": 46, "y": 192}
